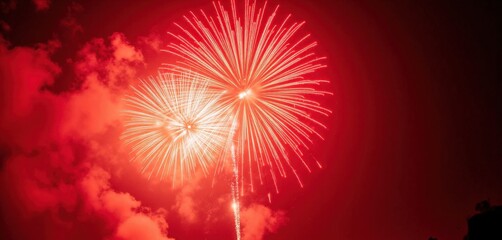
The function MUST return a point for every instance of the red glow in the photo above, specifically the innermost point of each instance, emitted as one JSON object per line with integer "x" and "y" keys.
{"x": 412, "y": 144}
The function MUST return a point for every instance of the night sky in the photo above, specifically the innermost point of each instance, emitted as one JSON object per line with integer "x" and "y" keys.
{"x": 414, "y": 141}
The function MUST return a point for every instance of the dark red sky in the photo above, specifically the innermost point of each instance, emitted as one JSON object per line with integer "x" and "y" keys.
{"x": 413, "y": 143}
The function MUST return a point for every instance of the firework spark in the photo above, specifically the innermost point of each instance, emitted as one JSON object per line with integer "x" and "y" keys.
{"x": 263, "y": 68}
{"x": 174, "y": 126}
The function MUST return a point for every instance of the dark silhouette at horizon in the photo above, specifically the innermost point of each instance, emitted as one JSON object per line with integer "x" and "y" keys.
{"x": 486, "y": 224}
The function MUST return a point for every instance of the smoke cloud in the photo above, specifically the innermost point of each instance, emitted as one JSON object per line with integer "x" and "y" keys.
{"x": 56, "y": 148}
{"x": 258, "y": 219}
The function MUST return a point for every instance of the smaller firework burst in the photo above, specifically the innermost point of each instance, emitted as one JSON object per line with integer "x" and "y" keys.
{"x": 174, "y": 126}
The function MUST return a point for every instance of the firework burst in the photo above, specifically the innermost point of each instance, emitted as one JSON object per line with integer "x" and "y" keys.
{"x": 174, "y": 126}
{"x": 262, "y": 67}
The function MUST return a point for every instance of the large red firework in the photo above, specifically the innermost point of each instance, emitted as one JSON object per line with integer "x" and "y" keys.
{"x": 263, "y": 69}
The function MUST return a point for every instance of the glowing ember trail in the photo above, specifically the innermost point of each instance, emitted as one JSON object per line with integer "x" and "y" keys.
{"x": 235, "y": 195}
{"x": 174, "y": 126}
{"x": 262, "y": 66}
{"x": 235, "y": 186}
